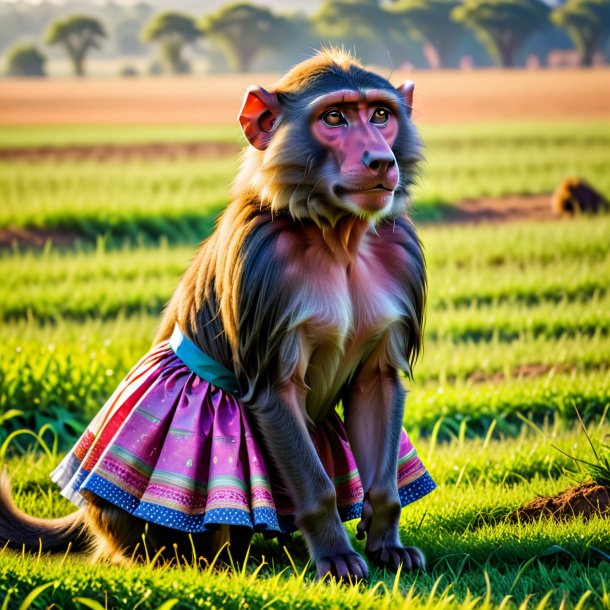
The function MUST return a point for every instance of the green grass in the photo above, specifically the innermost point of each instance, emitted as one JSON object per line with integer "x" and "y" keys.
{"x": 578, "y": 240}
{"x": 64, "y": 379}
{"x": 466, "y": 408}
{"x": 526, "y": 158}
{"x": 69, "y": 582}
{"x": 507, "y": 320}
{"x": 475, "y": 296}
{"x": 473, "y": 549}
{"x": 517, "y": 323}
{"x": 480, "y": 358}
{"x": 518, "y": 334}
{"x": 178, "y": 199}
{"x": 55, "y": 375}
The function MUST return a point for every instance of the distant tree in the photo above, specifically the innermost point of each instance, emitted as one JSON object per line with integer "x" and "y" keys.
{"x": 503, "y": 25}
{"x": 173, "y": 31}
{"x": 431, "y": 22}
{"x": 360, "y": 24}
{"x": 244, "y": 31}
{"x": 128, "y": 72}
{"x": 77, "y": 34}
{"x": 587, "y": 23}
{"x": 25, "y": 60}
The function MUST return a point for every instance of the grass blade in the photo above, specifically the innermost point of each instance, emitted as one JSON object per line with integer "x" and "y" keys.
{"x": 31, "y": 597}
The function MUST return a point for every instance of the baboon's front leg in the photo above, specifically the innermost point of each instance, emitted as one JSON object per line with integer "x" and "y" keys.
{"x": 282, "y": 424}
{"x": 374, "y": 409}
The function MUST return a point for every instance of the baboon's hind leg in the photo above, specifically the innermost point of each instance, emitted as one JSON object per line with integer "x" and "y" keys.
{"x": 120, "y": 536}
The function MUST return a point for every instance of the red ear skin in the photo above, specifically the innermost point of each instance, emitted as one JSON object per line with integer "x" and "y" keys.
{"x": 258, "y": 114}
{"x": 406, "y": 91}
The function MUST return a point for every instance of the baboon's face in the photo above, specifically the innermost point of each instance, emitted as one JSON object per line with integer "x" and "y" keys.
{"x": 357, "y": 131}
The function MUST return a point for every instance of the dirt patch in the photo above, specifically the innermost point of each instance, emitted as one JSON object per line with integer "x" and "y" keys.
{"x": 121, "y": 152}
{"x": 37, "y": 238}
{"x": 441, "y": 96}
{"x": 471, "y": 211}
{"x": 512, "y": 208}
{"x": 586, "y": 500}
{"x": 523, "y": 371}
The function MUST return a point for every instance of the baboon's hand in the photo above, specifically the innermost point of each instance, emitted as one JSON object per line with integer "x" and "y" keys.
{"x": 329, "y": 545}
{"x": 392, "y": 556}
{"x": 383, "y": 546}
{"x": 347, "y": 566}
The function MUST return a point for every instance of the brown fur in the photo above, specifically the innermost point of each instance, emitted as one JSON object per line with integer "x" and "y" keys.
{"x": 17, "y": 529}
{"x": 301, "y": 76}
{"x": 575, "y": 196}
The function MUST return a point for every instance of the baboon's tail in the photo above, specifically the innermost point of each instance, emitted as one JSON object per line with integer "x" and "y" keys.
{"x": 19, "y": 530}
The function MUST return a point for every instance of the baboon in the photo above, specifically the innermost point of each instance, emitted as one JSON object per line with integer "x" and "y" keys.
{"x": 309, "y": 293}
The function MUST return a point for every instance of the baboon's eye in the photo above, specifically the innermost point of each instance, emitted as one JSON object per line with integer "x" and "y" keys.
{"x": 380, "y": 116}
{"x": 333, "y": 118}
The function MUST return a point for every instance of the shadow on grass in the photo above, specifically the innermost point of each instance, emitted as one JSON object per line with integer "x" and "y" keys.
{"x": 86, "y": 231}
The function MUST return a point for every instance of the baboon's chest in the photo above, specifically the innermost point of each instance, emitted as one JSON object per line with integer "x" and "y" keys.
{"x": 352, "y": 309}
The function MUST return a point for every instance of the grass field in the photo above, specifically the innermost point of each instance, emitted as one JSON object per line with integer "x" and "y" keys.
{"x": 517, "y": 332}
{"x": 146, "y": 200}
{"x": 517, "y": 337}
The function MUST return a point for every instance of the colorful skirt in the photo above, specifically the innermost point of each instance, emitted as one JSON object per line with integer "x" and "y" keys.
{"x": 178, "y": 450}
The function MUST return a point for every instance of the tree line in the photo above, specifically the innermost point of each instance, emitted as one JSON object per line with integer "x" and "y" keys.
{"x": 243, "y": 32}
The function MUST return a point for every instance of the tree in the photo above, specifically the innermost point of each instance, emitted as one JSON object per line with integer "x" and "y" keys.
{"x": 243, "y": 31}
{"x": 25, "y": 60}
{"x": 77, "y": 34}
{"x": 430, "y": 21}
{"x": 587, "y": 23}
{"x": 503, "y": 25}
{"x": 173, "y": 31}
{"x": 362, "y": 24}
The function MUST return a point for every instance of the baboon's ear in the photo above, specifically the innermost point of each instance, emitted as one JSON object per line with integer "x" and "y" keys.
{"x": 406, "y": 91}
{"x": 259, "y": 113}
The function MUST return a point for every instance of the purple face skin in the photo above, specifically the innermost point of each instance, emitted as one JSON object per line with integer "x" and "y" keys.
{"x": 359, "y": 128}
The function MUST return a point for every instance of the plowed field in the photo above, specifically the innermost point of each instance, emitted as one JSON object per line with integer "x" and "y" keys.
{"x": 441, "y": 97}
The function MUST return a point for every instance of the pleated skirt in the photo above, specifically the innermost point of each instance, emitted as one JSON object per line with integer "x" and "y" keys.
{"x": 173, "y": 449}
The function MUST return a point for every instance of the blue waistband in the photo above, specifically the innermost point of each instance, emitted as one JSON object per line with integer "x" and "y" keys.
{"x": 201, "y": 364}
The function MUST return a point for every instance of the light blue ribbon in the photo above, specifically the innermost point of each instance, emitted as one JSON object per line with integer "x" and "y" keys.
{"x": 201, "y": 364}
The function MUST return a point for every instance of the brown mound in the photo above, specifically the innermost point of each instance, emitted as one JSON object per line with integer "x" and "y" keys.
{"x": 586, "y": 500}
{"x": 574, "y": 195}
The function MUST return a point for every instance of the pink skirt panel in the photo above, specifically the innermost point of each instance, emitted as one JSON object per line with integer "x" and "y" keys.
{"x": 173, "y": 449}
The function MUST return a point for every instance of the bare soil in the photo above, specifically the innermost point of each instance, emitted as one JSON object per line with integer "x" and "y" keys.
{"x": 511, "y": 208}
{"x": 586, "y": 500}
{"x": 120, "y": 152}
{"x": 36, "y": 238}
{"x": 441, "y": 96}
{"x": 523, "y": 371}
